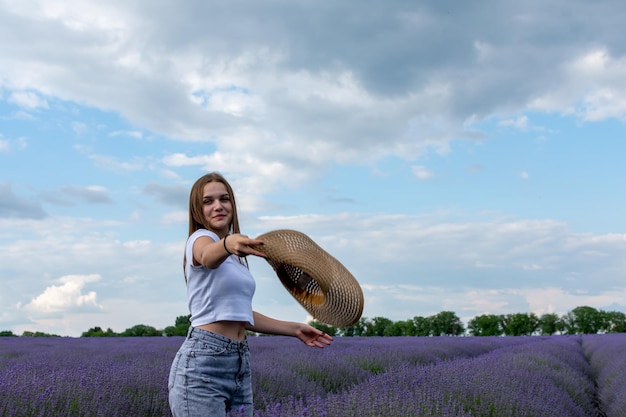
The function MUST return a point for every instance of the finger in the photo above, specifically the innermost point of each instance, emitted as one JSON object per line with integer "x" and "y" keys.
{"x": 254, "y": 242}
{"x": 326, "y": 338}
{"x": 315, "y": 343}
{"x": 323, "y": 343}
{"x": 256, "y": 253}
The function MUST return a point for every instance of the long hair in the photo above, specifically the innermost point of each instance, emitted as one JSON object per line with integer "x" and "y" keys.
{"x": 196, "y": 216}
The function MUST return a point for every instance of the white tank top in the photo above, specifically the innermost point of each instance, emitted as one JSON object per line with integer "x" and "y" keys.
{"x": 224, "y": 293}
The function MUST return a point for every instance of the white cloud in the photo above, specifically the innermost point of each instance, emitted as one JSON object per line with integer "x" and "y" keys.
{"x": 9, "y": 145}
{"x": 20, "y": 115}
{"x": 520, "y": 123}
{"x": 591, "y": 87}
{"x": 68, "y": 295}
{"x": 421, "y": 172}
{"x": 80, "y": 128}
{"x": 28, "y": 100}
{"x": 112, "y": 163}
{"x": 179, "y": 159}
{"x": 264, "y": 102}
{"x": 129, "y": 133}
{"x": 176, "y": 217}
{"x": 561, "y": 300}
{"x": 436, "y": 263}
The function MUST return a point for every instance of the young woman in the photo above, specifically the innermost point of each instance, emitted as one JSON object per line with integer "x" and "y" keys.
{"x": 210, "y": 374}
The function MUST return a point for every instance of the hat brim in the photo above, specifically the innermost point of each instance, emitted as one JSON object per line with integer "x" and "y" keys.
{"x": 318, "y": 281}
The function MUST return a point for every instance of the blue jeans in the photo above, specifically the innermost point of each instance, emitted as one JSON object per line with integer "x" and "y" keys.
{"x": 210, "y": 376}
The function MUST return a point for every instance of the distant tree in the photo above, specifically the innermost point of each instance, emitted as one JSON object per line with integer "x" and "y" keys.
{"x": 141, "y": 330}
{"x": 404, "y": 328}
{"x": 519, "y": 324}
{"x": 170, "y": 331}
{"x": 98, "y": 332}
{"x": 357, "y": 329}
{"x": 379, "y": 326}
{"x": 365, "y": 324}
{"x": 6, "y": 333}
{"x": 617, "y": 322}
{"x": 568, "y": 322}
{"x": 549, "y": 324}
{"x": 183, "y": 320}
{"x": 603, "y": 321}
{"x": 422, "y": 326}
{"x": 587, "y": 320}
{"x": 328, "y": 329}
{"x": 446, "y": 323}
{"x": 38, "y": 334}
{"x": 180, "y": 327}
{"x": 395, "y": 328}
{"x": 485, "y": 325}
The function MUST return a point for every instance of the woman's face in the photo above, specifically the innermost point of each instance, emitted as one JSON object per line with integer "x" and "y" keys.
{"x": 217, "y": 207}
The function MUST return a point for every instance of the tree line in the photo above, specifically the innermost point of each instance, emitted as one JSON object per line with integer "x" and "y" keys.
{"x": 581, "y": 320}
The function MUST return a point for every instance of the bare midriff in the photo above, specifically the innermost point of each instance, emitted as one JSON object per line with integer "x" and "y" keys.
{"x": 235, "y": 330}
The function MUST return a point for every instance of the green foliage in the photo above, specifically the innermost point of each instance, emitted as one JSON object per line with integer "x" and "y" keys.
{"x": 357, "y": 329}
{"x": 550, "y": 324}
{"x": 446, "y": 323}
{"x": 141, "y": 330}
{"x": 329, "y": 330}
{"x": 378, "y": 326}
{"x": 587, "y": 320}
{"x": 180, "y": 328}
{"x": 581, "y": 320}
{"x": 422, "y": 326}
{"x": 183, "y": 320}
{"x": 98, "y": 332}
{"x": 38, "y": 334}
{"x": 519, "y": 324}
{"x": 616, "y": 322}
{"x": 401, "y": 328}
{"x": 485, "y": 325}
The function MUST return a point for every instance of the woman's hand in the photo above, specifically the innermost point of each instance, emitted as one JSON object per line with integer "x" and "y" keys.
{"x": 309, "y": 335}
{"x": 313, "y": 337}
{"x": 210, "y": 253}
{"x": 242, "y": 245}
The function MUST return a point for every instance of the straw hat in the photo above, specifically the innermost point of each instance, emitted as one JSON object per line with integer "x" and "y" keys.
{"x": 319, "y": 282}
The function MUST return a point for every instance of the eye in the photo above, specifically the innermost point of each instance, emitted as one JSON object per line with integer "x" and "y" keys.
{"x": 225, "y": 197}
{"x": 207, "y": 201}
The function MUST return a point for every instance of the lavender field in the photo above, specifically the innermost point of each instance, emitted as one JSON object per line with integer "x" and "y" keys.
{"x": 554, "y": 376}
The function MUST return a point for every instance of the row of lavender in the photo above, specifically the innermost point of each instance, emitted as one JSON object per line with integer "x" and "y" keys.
{"x": 533, "y": 376}
{"x": 49, "y": 377}
{"x": 403, "y": 376}
{"x": 608, "y": 362}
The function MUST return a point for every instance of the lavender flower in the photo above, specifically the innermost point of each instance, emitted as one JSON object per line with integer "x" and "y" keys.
{"x": 357, "y": 376}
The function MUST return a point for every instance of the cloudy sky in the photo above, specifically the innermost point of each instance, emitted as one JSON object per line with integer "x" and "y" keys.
{"x": 462, "y": 156}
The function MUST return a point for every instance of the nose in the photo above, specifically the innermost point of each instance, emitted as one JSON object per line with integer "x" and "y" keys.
{"x": 218, "y": 205}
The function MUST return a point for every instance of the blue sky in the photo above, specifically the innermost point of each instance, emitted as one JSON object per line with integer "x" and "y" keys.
{"x": 463, "y": 157}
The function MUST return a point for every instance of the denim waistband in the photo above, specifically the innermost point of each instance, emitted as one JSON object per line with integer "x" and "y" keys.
{"x": 206, "y": 335}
